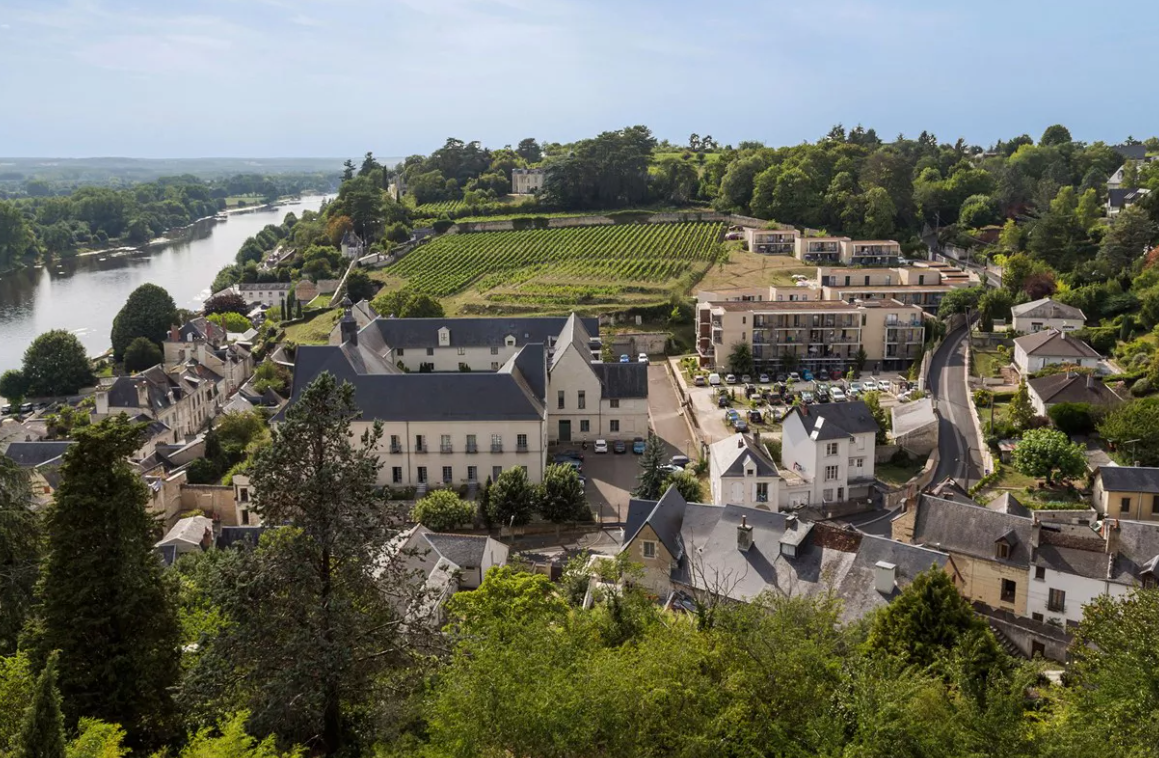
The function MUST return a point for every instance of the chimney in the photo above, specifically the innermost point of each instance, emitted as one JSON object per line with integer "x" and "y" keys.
{"x": 348, "y": 326}
{"x": 1111, "y": 535}
{"x": 744, "y": 535}
{"x": 142, "y": 393}
{"x": 1035, "y": 532}
{"x": 885, "y": 577}
{"x": 174, "y": 334}
{"x": 740, "y": 442}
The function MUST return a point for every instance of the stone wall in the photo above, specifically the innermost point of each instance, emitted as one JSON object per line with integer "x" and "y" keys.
{"x": 1026, "y": 634}
{"x": 634, "y": 343}
{"x": 214, "y": 500}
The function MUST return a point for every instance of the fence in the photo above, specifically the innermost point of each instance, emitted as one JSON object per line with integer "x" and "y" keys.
{"x": 983, "y": 449}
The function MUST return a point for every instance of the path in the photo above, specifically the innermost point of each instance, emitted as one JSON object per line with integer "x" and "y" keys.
{"x": 958, "y": 451}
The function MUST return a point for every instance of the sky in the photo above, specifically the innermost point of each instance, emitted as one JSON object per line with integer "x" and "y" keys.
{"x": 305, "y": 78}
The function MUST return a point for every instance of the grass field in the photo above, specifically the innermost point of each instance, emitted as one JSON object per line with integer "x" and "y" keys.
{"x": 557, "y": 269}
{"x": 314, "y": 330}
{"x": 745, "y": 269}
{"x": 234, "y": 201}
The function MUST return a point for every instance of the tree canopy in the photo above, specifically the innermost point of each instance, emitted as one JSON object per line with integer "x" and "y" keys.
{"x": 149, "y": 312}
{"x": 56, "y": 364}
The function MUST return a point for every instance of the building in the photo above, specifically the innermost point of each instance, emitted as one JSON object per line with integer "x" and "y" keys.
{"x": 772, "y": 241}
{"x": 845, "y": 251}
{"x": 205, "y": 342}
{"x": 742, "y": 473}
{"x": 1034, "y": 352}
{"x": 740, "y": 553}
{"x": 923, "y": 286}
{"x": 439, "y": 565}
{"x": 183, "y": 399}
{"x": 1043, "y": 314}
{"x": 1046, "y": 391}
{"x": 914, "y": 426}
{"x": 41, "y": 460}
{"x": 352, "y": 245}
{"x": 192, "y": 534}
{"x": 1136, "y": 154}
{"x": 527, "y": 181}
{"x": 1127, "y": 492}
{"x": 461, "y": 427}
{"x": 269, "y": 294}
{"x": 831, "y": 447}
{"x": 818, "y": 335}
{"x": 1118, "y": 199}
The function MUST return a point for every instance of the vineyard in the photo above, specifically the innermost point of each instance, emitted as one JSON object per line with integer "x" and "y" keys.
{"x": 559, "y": 268}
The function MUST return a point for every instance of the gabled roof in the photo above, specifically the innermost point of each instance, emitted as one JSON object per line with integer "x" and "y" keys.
{"x": 832, "y": 421}
{"x": 473, "y": 332}
{"x": 1007, "y": 503}
{"x": 1046, "y": 308}
{"x": 257, "y": 286}
{"x": 1053, "y": 343}
{"x": 620, "y": 381}
{"x": 1121, "y": 198}
{"x": 531, "y": 363}
{"x": 33, "y": 454}
{"x": 1131, "y": 152}
{"x": 1073, "y": 388}
{"x": 738, "y": 453}
{"x": 161, "y": 390}
{"x": 572, "y": 333}
{"x": 665, "y": 516}
{"x": 463, "y": 550}
{"x": 1129, "y": 478}
{"x": 202, "y": 329}
{"x": 972, "y": 530}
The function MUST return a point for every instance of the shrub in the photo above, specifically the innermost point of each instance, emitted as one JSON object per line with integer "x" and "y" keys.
{"x": 1074, "y": 418}
{"x": 442, "y": 510}
{"x": 1141, "y": 387}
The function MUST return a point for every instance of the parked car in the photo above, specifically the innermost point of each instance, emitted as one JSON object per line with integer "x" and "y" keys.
{"x": 773, "y": 398}
{"x": 5, "y": 410}
{"x": 668, "y": 468}
{"x": 822, "y": 393}
{"x": 730, "y": 378}
{"x": 807, "y": 375}
{"x": 567, "y": 455}
{"x": 731, "y": 415}
{"x": 601, "y": 446}
{"x": 699, "y": 380}
{"x": 763, "y": 379}
{"x": 723, "y": 401}
{"x": 679, "y": 460}
{"x": 740, "y": 425}
{"x": 836, "y": 374}
{"x": 746, "y": 379}
{"x": 638, "y": 446}
{"x": 837, "y": 394}
{"x": 26, "y": 408}
{"x": 625, "y": 359}
{"x": 807, "y": 398}
{"x": 642, "y": 358}
{"x": 794, "y": 376}
{"x": 750, "y": 390}
{"x": 714, "y": 379}
{"x": 583, "y": 480}
{"x": 755, "y": 417}
{"x": 572, "y": 462}
{"x": 856, "y": 388}
{"x": 884, "y": 385}
{"x": 619, "y": 447}
{"x": 869, "y": 385}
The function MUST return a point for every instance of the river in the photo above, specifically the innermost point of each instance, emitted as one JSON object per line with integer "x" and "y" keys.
{"x": 84, "y": 293}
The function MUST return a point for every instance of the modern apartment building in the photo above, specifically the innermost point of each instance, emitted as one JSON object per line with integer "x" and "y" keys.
{"x": 923, "y": 286}
{"x": 818, "y": 335}
{"x": 843, "y": 250}
{"x": 772, "y": 241}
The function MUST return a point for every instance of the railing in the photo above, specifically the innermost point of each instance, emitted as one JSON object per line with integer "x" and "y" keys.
{"x": 422, "y": 449}
{"x": 496, "y": 447}
{"x": 521, "y": 448}
{"x": 445, "y": 449}
{"x": 472, "y": 447}
{"x": 396, "y": 449}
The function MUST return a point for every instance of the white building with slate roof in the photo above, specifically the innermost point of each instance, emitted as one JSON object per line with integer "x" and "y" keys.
{"x": 831, "y": 447}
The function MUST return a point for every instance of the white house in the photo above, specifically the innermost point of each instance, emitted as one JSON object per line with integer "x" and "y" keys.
{"x": 183, "y": 399}
{"x": 269, "y": 294}
{"x": 527, "y": 181}
{"x": 831, "y": 448}
{"x": 1040, "y": 315}
{"x": 1046, "y": 391}
{"x": 1032, "y": 352}
{"x": 443, "y": 564}
{"x": 742, "y": 474}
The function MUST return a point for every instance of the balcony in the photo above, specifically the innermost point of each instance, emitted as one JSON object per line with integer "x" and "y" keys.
{"x": 472, "y": 447}
{"x": 496, "y": 447}
{"x": 422, "y": 449}
{"x": 395, "y": 449}
{"x": 445, "y": 449}
{"x": 521, "y": 448}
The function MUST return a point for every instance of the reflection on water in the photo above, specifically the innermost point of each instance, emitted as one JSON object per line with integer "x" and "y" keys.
{"x": 83, "y": 294}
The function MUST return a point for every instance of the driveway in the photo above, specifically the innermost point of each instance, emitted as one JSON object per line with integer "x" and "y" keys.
{"x": 667, "y": 416}
{"x": 958, "y": 453}
{"x": 611, "y": 478}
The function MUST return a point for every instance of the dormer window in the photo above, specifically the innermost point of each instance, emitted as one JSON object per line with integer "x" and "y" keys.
{"x": 509, "y": 340}
{"x": 1002, "y": 551}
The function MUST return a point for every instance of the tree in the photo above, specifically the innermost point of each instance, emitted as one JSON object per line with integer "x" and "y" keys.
{"x": 227, "y": 302}
{"x": 529, "y": 150}
{"x": 359, "y": 286}
{"x": 686, "y": 484}
{"x": 651, "y": 477}
{"x": 872, "y": 401}
{"x": 442, "y": 511}
{"x": 229, "y": 739}
{"x": 407, "y": 303}
{"x": 272, "y": 376}
{"x": 978, "y": 211}
{"x": 141, "y": 354}
{"x": 740, "y": 360}
{"x": 347, "y": 170}
{"x": 1043, "y": 452}
{"x": 56, "y": 364}
{"x": 1055, "y": 135}
{"x": 1073, "y": 418}
{"x": 13, "y": 386}
{"x": 231, "y": 322}
{"x": 1137, "y": 421}
{"x": 149, "y": 312}
{"x": 43, "y": 733}
{"x": 859, "y": 359}
{"x": 19, "y": 552}
{"x": 560, "y": 497}
{"x": 1021, "y": 410}
{"x": 108, "y": 611}
{"x": 1128, "y": 239}
{"x": 929, "y": 618}
{"x": 511, "y": 501}
{"x": 960, "y": 300}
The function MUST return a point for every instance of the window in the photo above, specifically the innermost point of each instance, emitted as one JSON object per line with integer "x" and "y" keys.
{"x": 462, "y": 351}
{"x": 614, "y": 403}
{"x": 1036, "y": 616}
{"x": 401, "y": 352}
{"x": 613, "y": 425}
{"x": 494, "y": 366}
{"x": 447, "y": 476}
{"x": 430, "y": 351}
{"x": 396, "y": 475}
{"x": 1009, "y": 589}
{"x": 649, "y": 549}
{"x": 1056, "y": 601}
{"x": 857, "y": 462}
{"x": 742, "y": 336}
{"x": 1125, "y": 505}
{"x": 559, "y": 400}
{"x": 496, "y": 443}
{"x": 422, "y": 474}
{"x": 762, "y": 492}
{"x": 585, "y": 426}
{"x": 395, "y": 444}
{"x": 471, "y": 446}
{"x": 445, "y": 443}
{"x": 472, "y": 473}
{"x": 744, "y": 319}
{"x": 495, "y": 351}
{"x": 244, "y": 494}
{"x": 582, "y": 402}
{"x": 1002, "y": 551}
{"x": 420, "y": 443}
{"x": 1040, "y": 572}
{"x": 831, "y": 448}
{"x": 524, "y": 469}
{"x": 1155, "y": 503}
{"x": 521, "y": 442}
{"x": 830, "y": 473}
{"x": 827, "y": 495}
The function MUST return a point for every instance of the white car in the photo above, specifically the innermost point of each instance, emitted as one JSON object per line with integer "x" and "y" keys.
{"x": 837, "y": 395}
{"x": 714, "y": 380}
{"x": 642, "y": 358}
{"x": 870, "y": 385}
{"x": 730, "y": 378}
{"x": 764, "y": 379}
{"x": 794, "y": 377}
{"x": 601, "y": 446}
{"x": 885, "y": 385}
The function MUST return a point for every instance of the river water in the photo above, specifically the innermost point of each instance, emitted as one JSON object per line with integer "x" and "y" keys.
{"x": 83, "y": 294}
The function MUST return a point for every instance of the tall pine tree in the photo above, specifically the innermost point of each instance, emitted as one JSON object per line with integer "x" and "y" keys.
{"x": 42, "y": 735}
{"x": 651, "y": 478}
{"x": 19, "y": 552}
{"x": 103, "y": 603}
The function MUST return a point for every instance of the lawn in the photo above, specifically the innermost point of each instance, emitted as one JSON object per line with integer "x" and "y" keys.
{"x": 897, "y": 475}
{"x": 987, "y": 362}
{"x": 315, "y": 330}
{"x": 234, "y": 201}
{"x": 745, "y": 269}
{"x": 557, "y": 270}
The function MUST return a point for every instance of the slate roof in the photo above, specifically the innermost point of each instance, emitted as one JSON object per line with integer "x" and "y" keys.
{"x": 733, "y": 453}
{"x": 202, "y": 329}
{"x": 1007, "y": 503}
{"x": 1129, "y": 478}
{"x": 463, "y": 550}
{"x": 1121, "y": 198}
{"x": 1073, "y": 388}
{"x": 531, "y": 363}
{"x": 1138, "y": 550}
{"x": 665, "y": 516}
{"x": 419, "y": 397}
{"x": 572, "y": 333}
{"x": 1052, "y": 342}
{"x": 1046, "y": 308}
{"x": 621, "y": 381}
{"x": 473, "y": 332}
{"x": 831, "y": 421}
{"x": 1131, "y": 152}
{"x": 256, "y": 286}
{"x": 971, "y": 530}
{"x": 1087, "y": 563}
{"x": 33, "y": 454}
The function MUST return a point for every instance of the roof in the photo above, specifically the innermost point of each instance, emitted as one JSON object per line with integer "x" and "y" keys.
{"x": 33, "y": 454}
{"x": 1073, "y": 388}
{"x": 1007, "y": 503}
{"x": 1046, "y": 308}
{"x": 473, "y": 332}
{"x": 201, "y": 328}
{"x": 463, "y": 550}
{"x": 419, "y": 397}
{"x": 665, "y": 516}
{"x": 1138, "y": 550}
{"x": 970, "y": 529}
{"x": 621, "y": 381}
{"x": 1121, "y": 198}
{"x": 187, "y": 534}
{"x": 1131, "y": 152}
{"x": 255, "y": 286}
{"x": 913, "y": 416}
{"x": 737, "y": 453}
{"x": 531, "y": 363}
{"x": 572, "y": 333}
{"x": 1052, "y": 342}
{"x": 1129, "y": 478}
{"x": 831, "y": 421}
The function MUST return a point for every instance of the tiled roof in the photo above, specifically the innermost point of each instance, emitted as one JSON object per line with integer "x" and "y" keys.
{"x": 1073, "y": 388}
{"x": 1129, "y": 478}
{"x": 1054, "y": 343}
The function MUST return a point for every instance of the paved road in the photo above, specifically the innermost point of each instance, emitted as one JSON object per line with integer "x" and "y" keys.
{"x": 958, "y": 454}
{"x": 667, "y": 418}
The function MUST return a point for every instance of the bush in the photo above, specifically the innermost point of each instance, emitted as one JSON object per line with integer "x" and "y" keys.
{"x": 1141, "y": 387}
{"x": 1074, "y": 418}
{"x": 982, "y": 397}
{"x": 141, "y": 354}
{"x": 231, "y": 321}
{"x": 442, "y": 510}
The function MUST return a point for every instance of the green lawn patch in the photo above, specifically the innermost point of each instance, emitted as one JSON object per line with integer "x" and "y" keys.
{"x": 314, "y": 330}
{"x": 895, "y": 474}
{"x": 986, "y": 363}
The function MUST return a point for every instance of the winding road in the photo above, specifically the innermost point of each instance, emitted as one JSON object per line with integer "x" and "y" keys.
{"x": 958, "y": 454}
